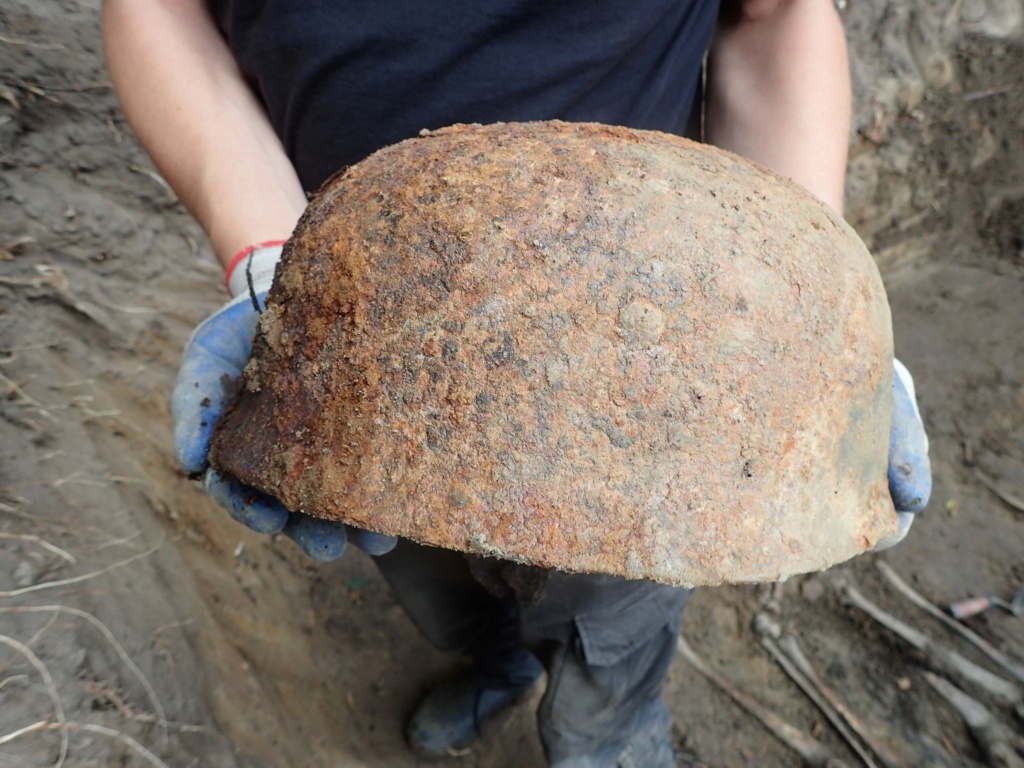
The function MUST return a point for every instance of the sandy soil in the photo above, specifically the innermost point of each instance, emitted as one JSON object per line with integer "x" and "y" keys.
{"x": 133, "y": 610}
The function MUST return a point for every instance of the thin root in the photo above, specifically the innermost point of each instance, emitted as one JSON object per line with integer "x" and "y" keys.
{"x": 83, "y": 577}
{"x": 118, "y": 649}
{"x": 51, "y": 689}
{"x": 70, "y": 725}
{"x": 42, "y": 543}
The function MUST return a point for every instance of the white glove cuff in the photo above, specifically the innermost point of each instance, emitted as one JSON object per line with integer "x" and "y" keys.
{"x": 908, "y": 384}
{"x": 256, "y": 262}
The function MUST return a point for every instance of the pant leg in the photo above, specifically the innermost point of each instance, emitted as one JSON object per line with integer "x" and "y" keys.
{"x": 607, "y": 644}
{"x": 456, "y": 613}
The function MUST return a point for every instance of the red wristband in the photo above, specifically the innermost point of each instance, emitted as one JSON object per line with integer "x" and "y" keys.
{"x": 242, "y": 254}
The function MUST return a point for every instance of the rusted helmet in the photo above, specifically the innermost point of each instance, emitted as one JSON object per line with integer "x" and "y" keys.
{"x": 575, "y": 346}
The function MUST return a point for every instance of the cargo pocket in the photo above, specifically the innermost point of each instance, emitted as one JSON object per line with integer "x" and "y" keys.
{"x": 604, "y": 687}
{"x": 611, "y": 634}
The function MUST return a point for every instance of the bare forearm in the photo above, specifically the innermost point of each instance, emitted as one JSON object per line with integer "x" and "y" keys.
{"x": 779, "y": 91}
{"x": 195, "y": 115}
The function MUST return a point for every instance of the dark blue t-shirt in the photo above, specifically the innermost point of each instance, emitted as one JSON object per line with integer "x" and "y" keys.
{"x": 342, "y": 79}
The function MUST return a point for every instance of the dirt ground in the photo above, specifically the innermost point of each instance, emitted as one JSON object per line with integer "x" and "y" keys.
{"x": 158, "y": 632}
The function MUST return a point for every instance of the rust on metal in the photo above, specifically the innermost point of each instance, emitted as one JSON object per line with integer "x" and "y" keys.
{"x": 575, "y": 346}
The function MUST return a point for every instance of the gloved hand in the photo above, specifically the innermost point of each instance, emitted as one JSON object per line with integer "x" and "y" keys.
{"x": 214, "y": 357}
{"x": 910, "y": 471}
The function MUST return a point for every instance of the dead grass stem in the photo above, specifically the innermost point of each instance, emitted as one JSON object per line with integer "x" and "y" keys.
{"x": 83, "y": 577}
{"x": 51, "y": 689}
{"x": 154, "y": 700}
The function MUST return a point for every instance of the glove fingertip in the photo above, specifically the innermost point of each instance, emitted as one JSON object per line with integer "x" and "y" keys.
{"x": 255, "y": 510}
{"x": 910, "y": 482}
{"x": 371, "y": 543}
{"x": 904, "y": 521}
{"x": 194, "y": 415}
{"x": 910, "y": 499}
{"x": 192, "y": 458}
{"x": 321, "y": 540}
{"x": 264, "y": 515}
{"x": 323, "y": 551}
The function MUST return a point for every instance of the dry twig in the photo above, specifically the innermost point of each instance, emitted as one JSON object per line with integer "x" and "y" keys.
{"x": 44, "y": 725}
{"x": 993, "y": 737}
{"x": 154, "y": 701}
{"x": 814, "y": 695}
{"x": 51, "y": 689}
{"x": 30, "y": 43}
{"x": 1005, "y": 496}
{"x": 42, "y": 630}
{"x": 996, "y": 90}
{"x": 111, "y": 695}
{"x": 833, "y": 707}
{"x": 42, "y": 543}
{"x": 948, "y": 660}
{"x": 83, "y": 577}
{"x": 790, "y": 646}
{"x": 814, "y": 753}
{"x": 1015, "y": 668}
{"x": 14, "y": 389}
{"x": 155, "y": 177}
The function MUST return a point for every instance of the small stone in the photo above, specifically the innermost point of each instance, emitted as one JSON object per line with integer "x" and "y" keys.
{"x": 812, "y": 589}
{"x": 25, "y": 574}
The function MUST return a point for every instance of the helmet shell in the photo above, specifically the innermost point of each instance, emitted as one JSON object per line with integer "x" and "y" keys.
{"x": 575, "y": 346}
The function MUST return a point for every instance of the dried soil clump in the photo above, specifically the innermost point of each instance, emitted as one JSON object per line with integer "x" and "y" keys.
{"x": 576, "y": 346}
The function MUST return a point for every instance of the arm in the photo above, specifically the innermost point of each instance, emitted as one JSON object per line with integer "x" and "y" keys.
{"x": 779, "y": 90}
{"x": 779, "y": 93}
{"x": 194, "y": 113}
{"x": 192, "y": 110}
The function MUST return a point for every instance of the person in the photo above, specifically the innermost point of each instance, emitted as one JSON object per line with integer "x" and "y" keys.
{"x": 245, "y": 107}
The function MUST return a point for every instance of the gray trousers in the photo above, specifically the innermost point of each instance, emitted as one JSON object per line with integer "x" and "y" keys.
{"x": 605, "y": 642}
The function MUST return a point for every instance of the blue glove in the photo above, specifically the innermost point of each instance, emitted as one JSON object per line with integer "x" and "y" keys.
{"x": 214, "y": 357}
{"x": 910, "y": 471}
